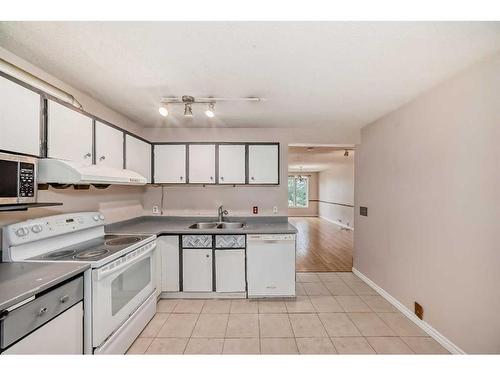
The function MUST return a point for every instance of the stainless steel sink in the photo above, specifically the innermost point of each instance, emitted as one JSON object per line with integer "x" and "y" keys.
{"x": 216, "y": 225}
{"x": 230, "y": 225}
{"x": 203, "y": 226}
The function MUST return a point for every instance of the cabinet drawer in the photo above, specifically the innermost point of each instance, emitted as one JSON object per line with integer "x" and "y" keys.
{"x": 197, "y": 241}
{"x": 32, "y": 315}
{"x": 230, "y": 241}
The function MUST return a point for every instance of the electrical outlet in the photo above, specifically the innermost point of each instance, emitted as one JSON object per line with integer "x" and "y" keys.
{"x": 419, "y": 310}
{"x": 255, "y": 210}
{"x": 156, "y": 210}
{"x": 275, "y": 210}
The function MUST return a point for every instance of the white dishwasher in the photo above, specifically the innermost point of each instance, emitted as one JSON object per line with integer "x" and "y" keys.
{"x": 271, "y": 265}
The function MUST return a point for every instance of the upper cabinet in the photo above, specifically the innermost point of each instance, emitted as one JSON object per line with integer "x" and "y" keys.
{"x": 69, "y": 134}
{"x": 108, "y": 146}
{"x": 19, "y": 118}
{"x": 138, "y": 156}
{"x": 170, "y": 163}
{"x": 263, "y": 164}
{"x": 201, "y": 164}
{"x": 232, "y": 164}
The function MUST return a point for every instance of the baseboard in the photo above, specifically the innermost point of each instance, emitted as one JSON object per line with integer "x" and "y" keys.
{"x": 431, "y": 331}
{"x": 336, "y": 223}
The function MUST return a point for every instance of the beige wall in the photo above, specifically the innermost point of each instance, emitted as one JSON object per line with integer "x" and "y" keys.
{"x": 336, "y": 185}
{"x": 312, "y": 209}
{"x": 430, "y": 176}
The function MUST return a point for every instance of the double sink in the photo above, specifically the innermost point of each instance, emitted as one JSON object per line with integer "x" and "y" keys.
{"x": 217, "y": 225}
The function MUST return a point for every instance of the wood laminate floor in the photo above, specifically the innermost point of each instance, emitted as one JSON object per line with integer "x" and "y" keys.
{"x": 322, "y": 246}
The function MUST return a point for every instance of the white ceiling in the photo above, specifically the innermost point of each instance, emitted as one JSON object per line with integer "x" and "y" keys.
{"x": 313, "y": 74}
{"x": 316, "y": 159}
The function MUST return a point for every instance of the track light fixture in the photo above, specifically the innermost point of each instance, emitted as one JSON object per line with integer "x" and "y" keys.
{"x": 188, "y": 110}
{"x": 210, "y": 112}
{"x": 346, "y": 153}
{"x": 163, "y": 110}
{"x": 188, "y": 101}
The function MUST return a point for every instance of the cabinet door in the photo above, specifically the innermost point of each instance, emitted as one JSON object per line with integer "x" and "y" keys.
{"x": 230, "y": 270}
{"x": 69, "y": 134}
{"x": 108, "y": 146}
{"x": 138, "y": 156}
{"x": 197, "y": 270}
{"x": 169, "y": 250}
{"x": 201, "y": 164}
{"x": 170, "y": 164}
{"x": 19, "y": 118}
{"x": 263, "y": 164}
{"x": 231, "y": 164}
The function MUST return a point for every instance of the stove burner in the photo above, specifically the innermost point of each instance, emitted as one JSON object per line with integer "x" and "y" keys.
{"x": 120, "y": 241}
{"x": 90, "y": 254}
{"x": 59, "y": 254}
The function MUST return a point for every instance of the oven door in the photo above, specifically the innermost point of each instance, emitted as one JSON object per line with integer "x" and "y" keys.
{"x": 118, "y": 289}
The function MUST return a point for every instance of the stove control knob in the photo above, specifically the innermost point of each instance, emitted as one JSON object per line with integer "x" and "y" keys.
{"x": 101, "y": 217}
{"x": 22, "y": 232}
{"x": 36, "y": 228}
{"x": 96, "y": 218}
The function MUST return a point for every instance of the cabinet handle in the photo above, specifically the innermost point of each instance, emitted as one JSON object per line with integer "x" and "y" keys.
{"x": 42, "y": 311}
{"x": 87, "y": 155}
{"x": 64, "y": 299}
{"x": 208, "y": 255}
{"x": 102, "y": 158}
{"x": 252, "y": 178}
{"x": 211, "y": 178}
{"x": 222, "y": 178}
{"x": 180, "y": 178}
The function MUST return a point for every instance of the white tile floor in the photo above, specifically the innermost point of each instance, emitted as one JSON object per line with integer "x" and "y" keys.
{"x": 334, "y": 312}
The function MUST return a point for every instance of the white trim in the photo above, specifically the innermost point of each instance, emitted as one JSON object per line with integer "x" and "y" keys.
{"x": 203, "y": 295}
{"x": 336, "y": 223}
{"x": 445, "y": 342}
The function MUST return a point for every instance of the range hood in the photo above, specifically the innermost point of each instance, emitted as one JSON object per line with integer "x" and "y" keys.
{"x": 57, "y": 171}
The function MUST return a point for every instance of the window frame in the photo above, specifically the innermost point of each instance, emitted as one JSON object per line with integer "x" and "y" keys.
{"x": 295, "y": 179}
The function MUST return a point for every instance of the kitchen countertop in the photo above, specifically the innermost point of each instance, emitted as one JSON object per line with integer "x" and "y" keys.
{"x": 179, "y": 225}
{"x": 21, "y": 280}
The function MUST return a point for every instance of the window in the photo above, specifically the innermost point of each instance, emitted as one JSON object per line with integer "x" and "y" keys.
{"x": 298, "y": 191}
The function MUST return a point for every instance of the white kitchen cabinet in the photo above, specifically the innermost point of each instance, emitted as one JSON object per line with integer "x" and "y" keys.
{"x": 19, "y": 118}
{"x": 168, "y": 247}
{"x": 201, "y": 164}
{"x": 170, "y": 164}
{"x": 230, "y": 270}
{"x": 197, "y": 270}
{"x": 108, "y": 146}
{"x": 263, "y": 164}
{"x": 232, "y": 164}
{"x": 69, "y": 134}
{"x": 138, "y": 156}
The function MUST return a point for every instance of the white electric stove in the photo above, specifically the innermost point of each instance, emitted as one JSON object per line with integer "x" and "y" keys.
{"x": 119, "y": 293}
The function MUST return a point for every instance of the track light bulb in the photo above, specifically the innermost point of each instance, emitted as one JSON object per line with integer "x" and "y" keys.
{"x": 210, "y": 112}
{"x": 188, "y": 111}
{"x": 163, "y": 110}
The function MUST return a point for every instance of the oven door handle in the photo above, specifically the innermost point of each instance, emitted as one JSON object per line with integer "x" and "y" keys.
{"x": 101, "y": 274}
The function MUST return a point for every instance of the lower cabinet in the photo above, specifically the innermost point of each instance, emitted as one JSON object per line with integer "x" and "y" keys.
{"x": 168, "y": 247}
{"x": 197, "y": 270}
{"x": 230, "y": 270}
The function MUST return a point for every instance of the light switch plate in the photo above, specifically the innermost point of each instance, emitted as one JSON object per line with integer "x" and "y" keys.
{"x": 275, "y": 210}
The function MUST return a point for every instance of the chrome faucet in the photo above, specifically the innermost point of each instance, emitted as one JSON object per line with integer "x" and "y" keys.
{"x": 220, "y": 214}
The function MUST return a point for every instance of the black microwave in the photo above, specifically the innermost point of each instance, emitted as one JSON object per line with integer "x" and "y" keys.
{"x": 17, "y": 179}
